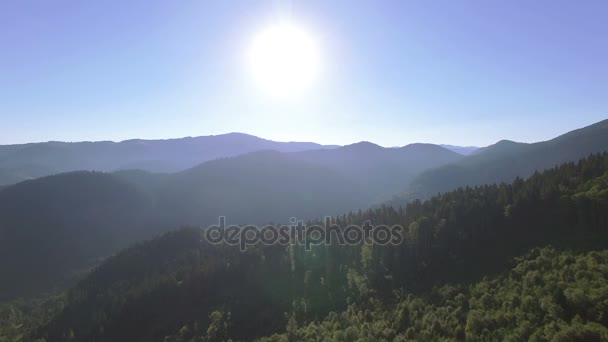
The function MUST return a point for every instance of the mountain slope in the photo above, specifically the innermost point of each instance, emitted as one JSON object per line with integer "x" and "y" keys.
{"x": 464, "y": 150}
{"x": 256, "y": 188}
{"x": 381, "y": 171}
{"x": 72, "y": 219}
{"x": 537, "y": 300}
{"x": 54, "y": 226}
{"x": 27, "y": 161}
{"x": 505, "y": 160}
{"x": 180, "y": 285}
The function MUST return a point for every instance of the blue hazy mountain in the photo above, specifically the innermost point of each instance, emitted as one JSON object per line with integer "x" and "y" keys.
{"x": 381, "y": 171}
{"x": 464, "y": 150}
{"x": 506, "y": 160}
{"x": 28, "y": 161}
{"x": 102, "y": 212}
{"x": 82, "y": 216}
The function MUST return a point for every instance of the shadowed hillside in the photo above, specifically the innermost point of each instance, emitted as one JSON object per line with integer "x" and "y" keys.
{"x": 54, "y": 226}
{"x": 382, "y": 171}
{"x": 505, "y": 160}
{"x": 180, "y": 285}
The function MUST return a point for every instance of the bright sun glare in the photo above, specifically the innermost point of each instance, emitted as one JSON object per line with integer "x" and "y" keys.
{"x": 284, "y": 60}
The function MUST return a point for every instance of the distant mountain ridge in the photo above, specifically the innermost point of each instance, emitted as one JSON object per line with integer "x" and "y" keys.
{"x": 380, "y": 170}
{"x": 506, "y": 159}
{"x": 464, "y": 150}
{"x": 81, "y": 216}
{"x": 28, "y": 161}
{"x": 129, "y": 205}
{"x": 33, "y": 160}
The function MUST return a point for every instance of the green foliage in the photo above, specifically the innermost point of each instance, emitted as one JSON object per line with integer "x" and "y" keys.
{"x": 54, "y": 228}
{"x": 20, "y": 318}
{"x": 548, "y": 296}
{"x": 171, "y": 286}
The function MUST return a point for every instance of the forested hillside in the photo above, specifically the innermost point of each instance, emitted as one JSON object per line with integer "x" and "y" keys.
{"x": 72, "y": 220}
{"x": 177, "y": 285}
{"x": 54, "y": 227}
{"x": 256, "y": 188}
{"x": 547, "y": 296}
{"x": 292, "y": 170}
{"x": 507, "y": 160}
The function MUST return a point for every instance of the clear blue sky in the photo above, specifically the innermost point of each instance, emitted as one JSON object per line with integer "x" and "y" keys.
{"x": 394, "y": 72}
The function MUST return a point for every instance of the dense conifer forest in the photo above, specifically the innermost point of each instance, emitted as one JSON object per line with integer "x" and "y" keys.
{"x": 303, "y": 170}
{"x": 469, "y": 268}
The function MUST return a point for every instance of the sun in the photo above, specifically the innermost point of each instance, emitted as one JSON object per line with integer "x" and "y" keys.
{"x": 284, "y": 60}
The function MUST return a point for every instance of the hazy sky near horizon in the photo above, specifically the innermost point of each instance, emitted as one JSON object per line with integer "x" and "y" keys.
{"x": 392, "y": 72}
